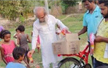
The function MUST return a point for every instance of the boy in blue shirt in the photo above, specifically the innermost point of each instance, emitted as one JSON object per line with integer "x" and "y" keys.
{"x": 18, "y": 55}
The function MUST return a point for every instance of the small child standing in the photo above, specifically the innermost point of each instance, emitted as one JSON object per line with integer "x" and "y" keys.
{"x": 22, "y": 41}
{"x": 16, "y": 35}
{"x": 7, "y": 46}
{"x": 18, "y": 54}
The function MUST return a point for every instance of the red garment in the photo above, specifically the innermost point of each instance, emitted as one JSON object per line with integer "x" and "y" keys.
{"x": 38, "y": 40}
{"x": 8, "y": 49}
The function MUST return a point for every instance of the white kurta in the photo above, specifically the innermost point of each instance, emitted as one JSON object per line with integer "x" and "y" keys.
{"x": 47, "y": 37}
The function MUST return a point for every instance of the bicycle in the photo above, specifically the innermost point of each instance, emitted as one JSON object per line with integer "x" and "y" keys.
{"x": 83, "y": 55}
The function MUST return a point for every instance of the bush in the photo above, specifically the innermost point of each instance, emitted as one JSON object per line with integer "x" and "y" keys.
{"x": 66, "y": 3}
{"x": 13, "y": 9}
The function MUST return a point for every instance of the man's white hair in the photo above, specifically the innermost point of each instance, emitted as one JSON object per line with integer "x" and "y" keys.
{"x": 37, "y": 8}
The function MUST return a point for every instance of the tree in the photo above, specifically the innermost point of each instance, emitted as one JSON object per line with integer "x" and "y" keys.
{"x": 13, "y": 9}
{"x": 66, "y": 3}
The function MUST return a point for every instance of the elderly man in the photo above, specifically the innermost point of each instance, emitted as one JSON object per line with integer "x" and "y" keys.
{"x": 45, "y": 27}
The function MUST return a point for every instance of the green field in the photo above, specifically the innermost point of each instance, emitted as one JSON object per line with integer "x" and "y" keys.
{"x": 73, "y": 22}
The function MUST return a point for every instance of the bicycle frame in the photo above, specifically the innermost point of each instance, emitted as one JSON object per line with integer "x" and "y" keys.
{"x": 82, "y": 54}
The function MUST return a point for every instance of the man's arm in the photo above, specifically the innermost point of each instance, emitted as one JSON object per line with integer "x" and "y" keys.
{"x": 34, "y": 40}
{"x": 57, "y": 22}
{"x": 83, "y": 30}
{"x": 60, "y": 24}
{"x": 34, "y": 37}
{"x": 101, "y": 39}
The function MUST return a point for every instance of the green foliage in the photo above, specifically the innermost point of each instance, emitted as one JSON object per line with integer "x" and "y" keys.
{"x": 22, "y": 19}
{"x": 41, "y": 2}
{"x": 70, "y": 2}
{"x": 13, "y": 9}
{"x": 66, "y": 3}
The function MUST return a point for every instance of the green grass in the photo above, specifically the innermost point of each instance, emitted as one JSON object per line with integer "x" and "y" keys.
{"x": 74, "y": 23}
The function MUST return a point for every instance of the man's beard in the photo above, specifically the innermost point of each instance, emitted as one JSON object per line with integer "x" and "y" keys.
{"x": 43, "y": 22}
{"x": 106, "y": 16}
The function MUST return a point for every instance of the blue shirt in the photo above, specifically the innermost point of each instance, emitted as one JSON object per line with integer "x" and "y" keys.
{"x": 15, "y": 65}
{"x": 92, "y": 20}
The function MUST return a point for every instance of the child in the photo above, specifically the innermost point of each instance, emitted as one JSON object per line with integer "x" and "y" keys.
{"x": 7, "y": 46}
{"x": 1, "y": 28}
{"x": 18, "y": 54}
{"x": 22, "y": 41}
{"x": 16, "y": 35}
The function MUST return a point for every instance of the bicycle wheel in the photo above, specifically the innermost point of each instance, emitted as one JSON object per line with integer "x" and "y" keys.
{"x": 82, "y": 63}
{"x": 69, "y": 63}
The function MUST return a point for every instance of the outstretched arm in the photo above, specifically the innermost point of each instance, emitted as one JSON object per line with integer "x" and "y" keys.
{"x": 101, "y": 39}
{"x": 60, "y": 24}
{"x": 2, "y": 55}
{"x": 34, "y": 42}
{"x": 82, "y": 31}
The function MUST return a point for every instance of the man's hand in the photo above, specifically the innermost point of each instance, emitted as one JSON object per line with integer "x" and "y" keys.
{"x": 57, "y": 33}
{"x": 98, "y": 39}
{"x": 30, "y": 53}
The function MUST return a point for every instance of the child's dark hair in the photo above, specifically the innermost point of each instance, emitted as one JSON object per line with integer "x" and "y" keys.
{"x": 3, "y": 33}
{"x": 16, "y": 29}
{"x": 88, "y": 0}
{"x": 17, "y": 52}
{"x": 21, "y": 28}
